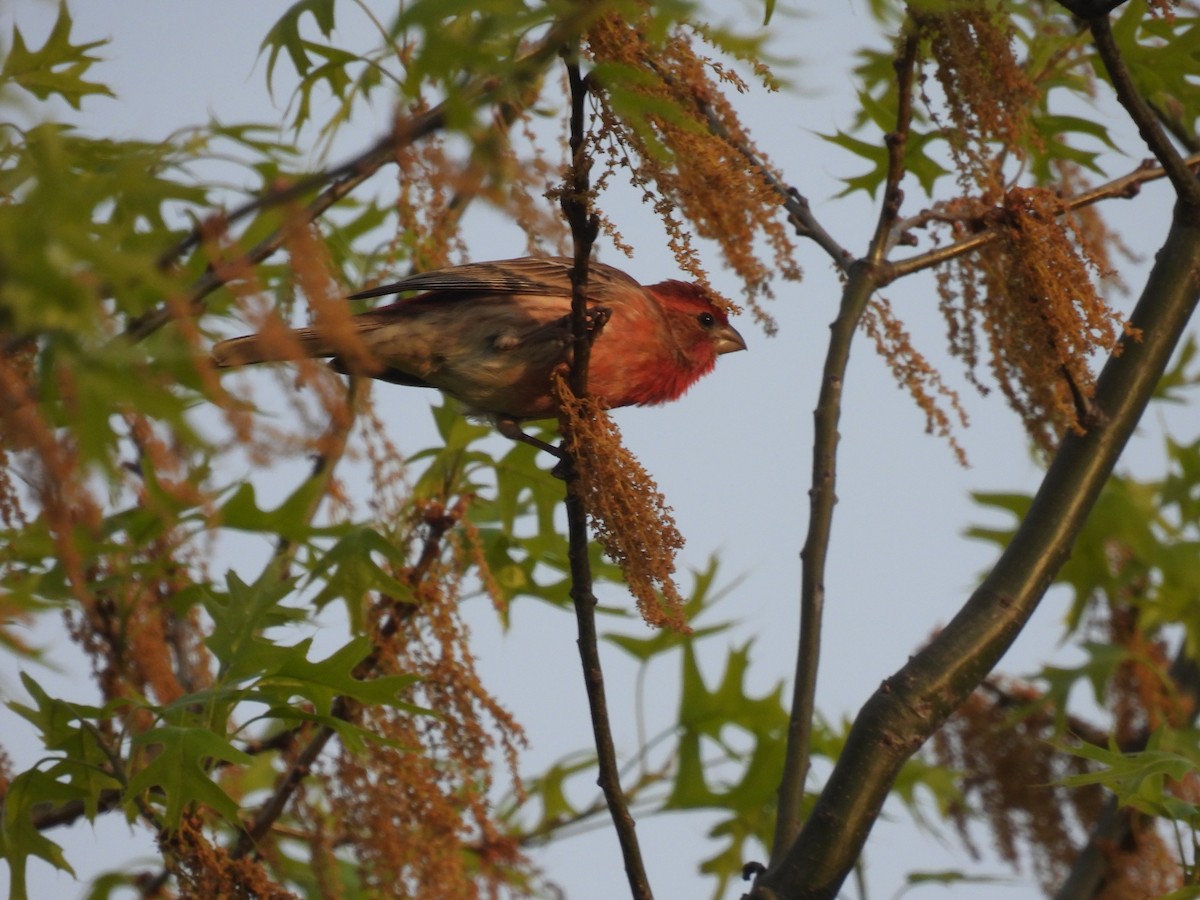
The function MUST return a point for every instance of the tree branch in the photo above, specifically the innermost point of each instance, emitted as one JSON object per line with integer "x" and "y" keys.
{"x": 1124, "y": 187}
{"x": 342, "y": 708}
{"x": 897, "y": 142}
{"x": 273, "y": 807}
{"x": 916, "y": 700}
{"x": 347, "y": 176}
{"x": 576, "y": 205}
{"x": 336, "y": 439}
{"x": 1186, "y": 185}
{"x": 794, "y": 203}
{"x": 1087, "y": 9}
{"x": 369, "y": 161}
{"x": 864, "y": 279}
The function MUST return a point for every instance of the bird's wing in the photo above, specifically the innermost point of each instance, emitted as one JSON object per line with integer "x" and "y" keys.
{"x": 533, "y": 275}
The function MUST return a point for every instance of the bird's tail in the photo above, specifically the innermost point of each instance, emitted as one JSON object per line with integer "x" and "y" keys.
{"x": 304, "y": 343}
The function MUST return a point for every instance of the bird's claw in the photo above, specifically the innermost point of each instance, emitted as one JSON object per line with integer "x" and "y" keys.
{"x": 562, "y": 468}
{"x": 597, "y": 318}
{"x": 752, "y": 869}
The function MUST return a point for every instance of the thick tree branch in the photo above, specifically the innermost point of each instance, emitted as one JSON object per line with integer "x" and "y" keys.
{"x": 576, "y": 205}
{"x": 915, "y": 701}
{"x": 864, "y": 279}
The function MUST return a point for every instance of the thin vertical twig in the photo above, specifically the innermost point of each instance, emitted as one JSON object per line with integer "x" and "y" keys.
{"x": 576, "y": 205}
{"x": 865, "y": 276}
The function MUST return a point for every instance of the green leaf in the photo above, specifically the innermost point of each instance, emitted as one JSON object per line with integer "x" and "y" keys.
{"x": 1163, "y": 55}
{"x": 179, "y": 768}
{"x": 1181, "y": 488}
{"x": 239, "y": 618}
{"x": 55, "y": 719}
{"x": 255, "y": 668}
{"x": 949, "y": 878}
{"x": 352, "y": 735}
{"x": 334, "y": 75}
{"x": 289, "y": 520}
{"x": 550, "y": 789}
{"x": 71, "y": 729}
{"x": 293, "y": 674}
{"x": 350, "y": 571}
{"x": 1179, "y": 376}
{"x": 1058, "y": 144}
{"x": 873, "y": 152}
{"x": 1102, "y": 662}
{"x": 1143, "y": 780}
{"x": 19, "y": 837}
{"x": 285, "y": 35}
{"x": 941, "y": 783}
{"x": 707, "y": 714}
{"x": 57, "y": 68}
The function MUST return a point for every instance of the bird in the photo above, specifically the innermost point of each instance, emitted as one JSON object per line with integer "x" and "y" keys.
{"x": 491, "y": 334}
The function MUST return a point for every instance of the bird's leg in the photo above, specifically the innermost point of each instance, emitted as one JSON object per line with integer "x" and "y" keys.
{"x": 511, "y": 430}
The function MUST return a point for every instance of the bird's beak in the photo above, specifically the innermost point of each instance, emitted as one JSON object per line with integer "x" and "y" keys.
{"x": 727, "y": 340}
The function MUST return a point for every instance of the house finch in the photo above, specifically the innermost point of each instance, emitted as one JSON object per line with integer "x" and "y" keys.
{"x": 491, "y": 334}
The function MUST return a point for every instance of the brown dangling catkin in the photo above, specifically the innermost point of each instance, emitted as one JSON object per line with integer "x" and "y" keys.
{"x": 628, "y": 513}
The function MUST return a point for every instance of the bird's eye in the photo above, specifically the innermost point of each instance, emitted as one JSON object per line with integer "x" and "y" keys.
{"x": 707, "y": 319}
